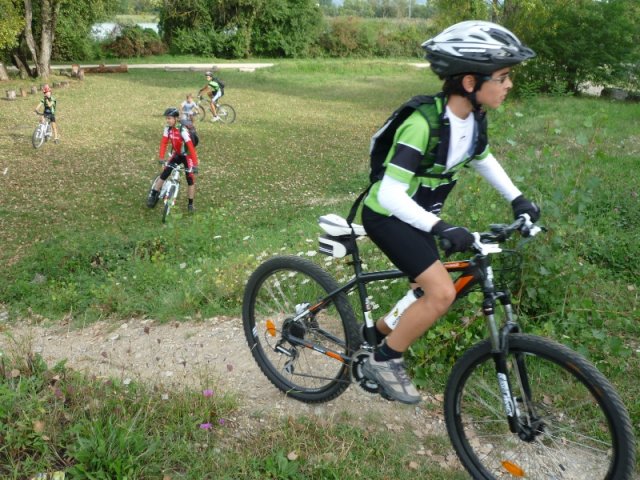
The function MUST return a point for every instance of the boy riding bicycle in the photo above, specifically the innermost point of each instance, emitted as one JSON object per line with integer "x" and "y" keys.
{"x": 182, "y": 152}
{"x": 49, "y": 103}
{"x": 401, "y": 211}
{"x": 215, "y": 93}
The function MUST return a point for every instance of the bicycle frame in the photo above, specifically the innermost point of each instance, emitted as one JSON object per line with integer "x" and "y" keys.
{"x": 472, "y": 272}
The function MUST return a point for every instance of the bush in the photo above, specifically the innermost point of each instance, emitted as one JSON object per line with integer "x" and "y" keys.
{"x": 135, "y": 42}
{"x": 358, "y": 37}
{"x": 193, "y": 41}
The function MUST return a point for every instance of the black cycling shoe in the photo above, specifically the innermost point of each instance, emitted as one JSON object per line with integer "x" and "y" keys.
{"x": 152, "y": 199}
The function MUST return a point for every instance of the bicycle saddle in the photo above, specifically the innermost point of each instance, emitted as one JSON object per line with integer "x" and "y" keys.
{"x": 336, "y": 226}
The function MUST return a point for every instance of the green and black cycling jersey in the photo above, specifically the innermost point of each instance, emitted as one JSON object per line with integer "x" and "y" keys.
{"x": 409, "y": 162}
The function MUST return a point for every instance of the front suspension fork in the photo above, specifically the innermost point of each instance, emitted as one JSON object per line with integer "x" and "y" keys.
{"x": 500, "y": 353}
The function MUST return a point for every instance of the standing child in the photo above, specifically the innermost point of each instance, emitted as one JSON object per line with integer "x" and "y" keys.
{"x": 188, "y": 109}
{"x": 49, "y": 103}
{"x": 401, "y": 213}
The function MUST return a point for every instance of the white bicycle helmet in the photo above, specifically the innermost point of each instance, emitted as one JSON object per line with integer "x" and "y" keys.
{"x": 474, "y": 46}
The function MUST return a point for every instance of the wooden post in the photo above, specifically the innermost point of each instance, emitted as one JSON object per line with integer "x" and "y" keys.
{"x": 3, "y": 73}
{"x": 56, "y": 84}
{"x": 81, "y": 74}
{"x": 34, "y": 89}
{"x": 23, "y": 92}
{"x": 64, "y": 84}
{"x": 11, "y": 94}
{"x": 75, "y": 68}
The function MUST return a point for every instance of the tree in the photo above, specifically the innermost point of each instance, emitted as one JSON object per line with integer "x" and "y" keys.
{"x": 35, "y": 42}
{"x": 46, "y": 17}
{"x": 576, "y": 42}
{"x": 73, "y": 40}
{"x": 11, "y": 24}
{"x": 239, "y": 28}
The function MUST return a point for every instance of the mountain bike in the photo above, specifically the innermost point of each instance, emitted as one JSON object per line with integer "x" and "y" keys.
{"x": 170, "y": 188}
{"x": 225, "y": 111}
{"x": 42, "y": 132}
{"x": 515, "y": 405}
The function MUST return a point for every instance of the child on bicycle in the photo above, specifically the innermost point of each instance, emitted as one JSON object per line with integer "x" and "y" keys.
{"x": 401, "y": 211}
{"x": 182, "y": 152}
{"x": 49, "y": 103}
{"x": 215, "y": 93}
{"x": 188, "y": 109}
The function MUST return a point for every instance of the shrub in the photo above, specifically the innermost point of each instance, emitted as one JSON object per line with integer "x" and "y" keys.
{"x": 136, "y": 42}
{"x": 358, "y": 37}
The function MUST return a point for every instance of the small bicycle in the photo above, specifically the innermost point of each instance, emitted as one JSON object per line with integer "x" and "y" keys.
{"x": 515, "y": 405}
{"x": 225, "y": 111}
{"x": 42, "y": 132}
{"x": 170, "y": 188}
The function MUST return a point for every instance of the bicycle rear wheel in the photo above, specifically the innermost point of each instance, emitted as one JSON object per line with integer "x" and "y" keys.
{"x": 37, "y": 139}
{"x": 168, "y": 203}
{"x": 579, "y": 427}
{"x": 275, "y": 294}
{"x": 226, "y": 113}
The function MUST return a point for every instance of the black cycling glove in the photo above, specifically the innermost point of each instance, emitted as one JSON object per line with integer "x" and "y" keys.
{"x": 458, "y": 239}
{"x": 521, "y": 205}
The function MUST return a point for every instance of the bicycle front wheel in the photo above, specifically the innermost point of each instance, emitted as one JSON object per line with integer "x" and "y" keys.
{"x": 37, "y": 139}
{"x": 202, "y": 113}
{"x": 577, "y": 424}
{"x": 168, "y": 203}
{"x": 226, "y": 113}
{"x": 300, "y": 355}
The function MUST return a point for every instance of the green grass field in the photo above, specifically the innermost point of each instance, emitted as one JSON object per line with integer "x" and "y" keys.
{"x": 78, "y": 241}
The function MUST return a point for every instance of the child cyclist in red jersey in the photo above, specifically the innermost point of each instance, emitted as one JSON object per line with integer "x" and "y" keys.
{"x": 182, "y": 152}
{"x": 401, "y": 212}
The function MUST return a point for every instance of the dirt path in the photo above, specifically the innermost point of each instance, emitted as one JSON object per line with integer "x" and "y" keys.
{"x": 211, "y": 354}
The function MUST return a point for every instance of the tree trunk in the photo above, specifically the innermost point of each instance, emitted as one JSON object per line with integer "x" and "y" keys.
{"x": 49, "y": 17}
{"x": 3, "y": 73}
{"x": 28, "y": 34}
{"x": 21, "y": 65}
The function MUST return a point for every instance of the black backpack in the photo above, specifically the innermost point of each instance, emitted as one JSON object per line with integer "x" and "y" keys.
{"x": 382, "y": 140}
{"x": 219, "y": 82}
{"x": 431, "y": 108}
{"x": 192, "y": 133}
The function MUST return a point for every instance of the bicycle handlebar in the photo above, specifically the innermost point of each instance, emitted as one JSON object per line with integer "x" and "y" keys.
{"x": 500, "y": 233}
{"x": 178, "y": 167}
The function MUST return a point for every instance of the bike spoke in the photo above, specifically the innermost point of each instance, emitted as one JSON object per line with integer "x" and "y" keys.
{"x": 300, "y": 350}
{"x": 571, "y": 434}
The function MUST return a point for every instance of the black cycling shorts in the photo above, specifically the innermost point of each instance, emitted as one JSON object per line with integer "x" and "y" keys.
{"x": 50, "y": 116}
{"x": 410, "y": 249}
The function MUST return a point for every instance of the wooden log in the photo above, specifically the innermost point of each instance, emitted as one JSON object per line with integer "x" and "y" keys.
{"x": 11, "y": 94}
{"x": 3, "y": 72}
{"x": 122, "y": 68}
